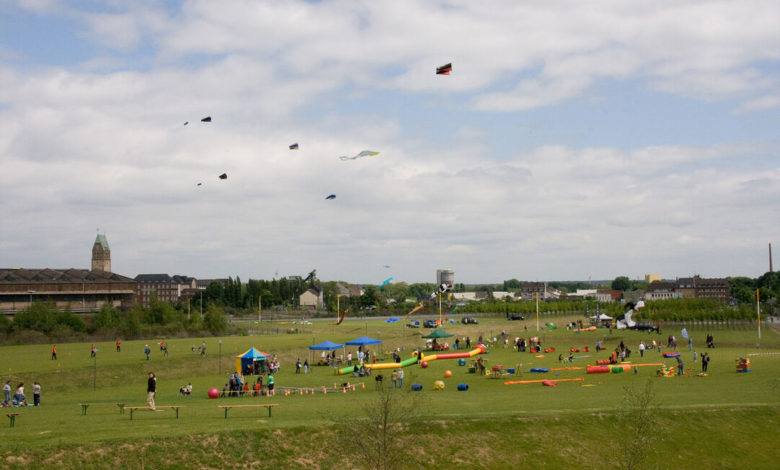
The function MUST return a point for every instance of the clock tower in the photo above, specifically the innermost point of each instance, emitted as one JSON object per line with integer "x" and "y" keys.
{"x": 101, "y": 254}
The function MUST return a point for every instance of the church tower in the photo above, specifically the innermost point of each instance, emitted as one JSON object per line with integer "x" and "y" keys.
{"x": 101, "y": 254}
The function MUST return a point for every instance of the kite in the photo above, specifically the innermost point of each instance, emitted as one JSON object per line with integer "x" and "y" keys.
{"x": 342, "y": 317}
{"x": 186, "y": 123}
{"x": 364, "y": 153}
{"x": 444, "y": 69}
{"x": 386, "y": 266}
{"x": 200, "y": 184}
{"x": 442, "y": 289}
{"x": 311, "y": 275}
{"x": 294, "y": 146}
{"x": 418, "y": 307}
{"x": 330, "y": 196}
{"x": 223, "y": 176}
{"x": 206, "y": 119}
{"x": 385, "y": 281}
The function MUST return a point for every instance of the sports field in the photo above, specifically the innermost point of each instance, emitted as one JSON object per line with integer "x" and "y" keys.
{"x": 723, "y": 420}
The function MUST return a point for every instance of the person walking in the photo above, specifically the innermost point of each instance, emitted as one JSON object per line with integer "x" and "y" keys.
{"x": 54, "y": 352}
{"x": 705, "y": 362}
{"x": 36, "y": 393}
{"x": 151, "y": 390}
{"x": 7, "y": 392}
{"x": 147, "y": 351}
{"x": 203, "y": 349}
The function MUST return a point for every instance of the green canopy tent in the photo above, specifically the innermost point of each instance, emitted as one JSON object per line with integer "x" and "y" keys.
{"x": 438, "y": 333}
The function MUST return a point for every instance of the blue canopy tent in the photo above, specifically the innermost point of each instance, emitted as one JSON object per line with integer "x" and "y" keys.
{"x": 248, "y": 358}
{"x": 326, "y": 346}
{"x": 363, "y": 341}
{"x": 323, "y": 346}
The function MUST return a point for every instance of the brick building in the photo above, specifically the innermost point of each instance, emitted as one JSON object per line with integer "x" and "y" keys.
{"x": 84, "y": 290}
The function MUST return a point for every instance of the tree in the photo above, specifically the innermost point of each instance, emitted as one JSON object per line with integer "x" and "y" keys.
{"x": 107, "y": 317}
{"x": 380, "y": 426}
{"x": 621, "y": 283}
{"x": 214, "y": 319}
{"x": 640, "y": 427}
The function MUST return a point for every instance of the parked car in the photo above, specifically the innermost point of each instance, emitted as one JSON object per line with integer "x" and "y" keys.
{"x": 645, "y": 326}
{"x": 413, "y": 324}
{"x": 469, "y": 320}
{"x": 516, "y": 316}
{"x": 429, "y": 324}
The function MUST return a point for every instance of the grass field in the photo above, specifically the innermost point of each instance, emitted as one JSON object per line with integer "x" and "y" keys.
{"x": 724, "y": 420}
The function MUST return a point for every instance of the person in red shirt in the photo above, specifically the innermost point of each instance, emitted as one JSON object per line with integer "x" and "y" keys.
{"x": 54, "y": 353}
{"x": 118, "y": 345}
{"x": 92, "y": 351}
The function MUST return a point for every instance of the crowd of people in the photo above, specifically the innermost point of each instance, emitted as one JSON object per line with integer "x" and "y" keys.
{"x": 19, "y": 398}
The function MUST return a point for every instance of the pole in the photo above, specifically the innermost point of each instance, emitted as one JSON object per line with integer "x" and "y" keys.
{"x": 758, "y": 312}
{"x": 537, "y": 311}
{"x": 259, "y": 308}
{"x": 440, "y": 324}
{"x": 94, "y": 374}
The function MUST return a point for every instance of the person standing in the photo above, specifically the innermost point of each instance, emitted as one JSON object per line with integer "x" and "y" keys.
{"x": 36, "y": 393}
{"x": 54, "y": 352}
{"x": 147, "y": 351}
{"x": 270, "y": 383}
{"x": 298, "y": 366}
{"x": 92, "y": 350}
{"x": 680, "y": 370}
{"x": 400, "y": 378}
{"x": 641, "y": 349}
{"x": 349, "y": 358}
{"x": 7, "y": 392}
{"x": 705, "y": 362}
{"x": 306, "y": 366}
{"x": 151, "y": 390}
{"x": 394, "y": 378}
{"x": 118, "y": 345}
{"x": 165, "y": 350}
{"x": 203, "y": 349}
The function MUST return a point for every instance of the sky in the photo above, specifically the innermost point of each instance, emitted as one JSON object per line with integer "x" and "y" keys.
{"x": 572, "y": 140}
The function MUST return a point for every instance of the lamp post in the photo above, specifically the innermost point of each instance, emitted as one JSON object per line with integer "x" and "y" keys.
{"x": 94, "y": 373}
{"x": 220, "y": 357}
{"x": 31, "y": 292}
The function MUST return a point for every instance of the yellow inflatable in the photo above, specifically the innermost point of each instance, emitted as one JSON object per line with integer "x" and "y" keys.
{"x": 438, "y": 385}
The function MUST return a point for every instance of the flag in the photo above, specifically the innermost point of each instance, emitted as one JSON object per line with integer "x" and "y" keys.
{"x": 684, "y": 333}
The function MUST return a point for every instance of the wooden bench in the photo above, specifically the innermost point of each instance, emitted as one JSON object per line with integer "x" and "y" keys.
{"x": 135, "y": 408}
{"x": 12, "y": 417}
{"x": 84, "y": 407}
{"x": 227, "y": 407}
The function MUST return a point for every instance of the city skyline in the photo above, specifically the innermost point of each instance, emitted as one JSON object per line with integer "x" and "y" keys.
{"x": 569, "y": 141}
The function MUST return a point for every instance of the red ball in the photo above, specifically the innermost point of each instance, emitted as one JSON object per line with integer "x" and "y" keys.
{"x": 424, "y": 364}
{"x": 213, "y": 393}
{"x": 448, "y": 374}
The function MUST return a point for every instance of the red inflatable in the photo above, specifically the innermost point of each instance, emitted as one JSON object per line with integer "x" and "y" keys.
{"x": 213, "y": 393}
{"x": 597, "y": 370}
{"x": 549, "y": 383}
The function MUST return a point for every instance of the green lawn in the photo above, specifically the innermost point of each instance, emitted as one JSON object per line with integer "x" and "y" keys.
{"x": 715, "y": 418}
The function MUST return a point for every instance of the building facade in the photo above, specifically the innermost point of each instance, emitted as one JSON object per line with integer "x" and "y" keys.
{"x": 166, "y": 288}
{"x": 83, "y": 290}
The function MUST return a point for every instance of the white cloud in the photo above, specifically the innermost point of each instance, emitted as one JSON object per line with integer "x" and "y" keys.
{"x": 83, "y": 148}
